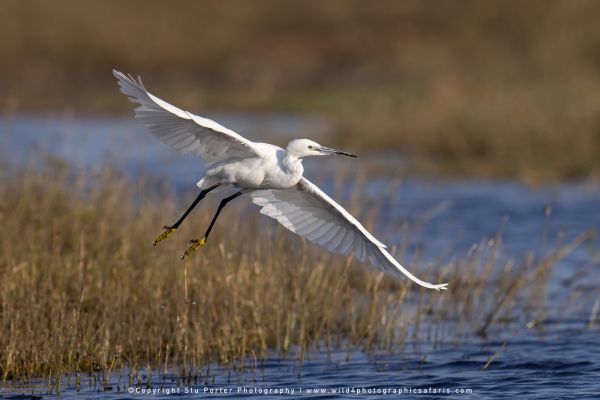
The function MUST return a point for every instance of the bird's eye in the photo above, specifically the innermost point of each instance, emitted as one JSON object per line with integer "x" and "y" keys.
{"x": 310, "y": 147}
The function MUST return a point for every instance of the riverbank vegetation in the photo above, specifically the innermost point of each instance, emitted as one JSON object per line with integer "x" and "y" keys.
{"x": 488, "y": 89}
{"x": 84, "y": 291}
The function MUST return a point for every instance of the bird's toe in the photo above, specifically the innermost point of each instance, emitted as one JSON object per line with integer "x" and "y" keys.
{"x": 195, "y": 244}
{"x": 168, "y": 232}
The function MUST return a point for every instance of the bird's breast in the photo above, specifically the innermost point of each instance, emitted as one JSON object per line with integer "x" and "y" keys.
{"x": 283, "y": 175}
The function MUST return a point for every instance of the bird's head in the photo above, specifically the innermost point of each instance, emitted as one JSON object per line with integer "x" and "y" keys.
{"x": 306, "y": 147}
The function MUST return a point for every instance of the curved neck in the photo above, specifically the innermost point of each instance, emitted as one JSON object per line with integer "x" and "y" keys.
{"x": 291, "y": 163}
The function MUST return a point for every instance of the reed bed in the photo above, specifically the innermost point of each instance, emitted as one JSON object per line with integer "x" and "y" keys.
{"x": 83, "y": 290}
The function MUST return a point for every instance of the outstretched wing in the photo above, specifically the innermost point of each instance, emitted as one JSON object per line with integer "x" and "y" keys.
{"x": 306, "y": 210}
{"x": 182, "y": 130}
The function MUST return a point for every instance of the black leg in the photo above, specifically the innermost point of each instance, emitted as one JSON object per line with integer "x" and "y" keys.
{"x": 170, "y": 229}
{"x": 221, "y": 206}
{"x": 201, "y": 195}
{"x": 195, "y": 243}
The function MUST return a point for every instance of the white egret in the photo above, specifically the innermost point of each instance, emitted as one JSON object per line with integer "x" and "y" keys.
{"x": 272, "y": 176}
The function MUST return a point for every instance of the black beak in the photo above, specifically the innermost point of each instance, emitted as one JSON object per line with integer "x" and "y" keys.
{"x": 334, "y": 151}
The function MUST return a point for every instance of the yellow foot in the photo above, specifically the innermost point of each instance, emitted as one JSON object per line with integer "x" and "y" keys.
{"x": 165, "y": 234}
{"x": 195, "y": 244}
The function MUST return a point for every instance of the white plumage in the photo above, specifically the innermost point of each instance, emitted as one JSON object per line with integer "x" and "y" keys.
{"x": 271, "y": 174}
{"x": 182, "y": 130}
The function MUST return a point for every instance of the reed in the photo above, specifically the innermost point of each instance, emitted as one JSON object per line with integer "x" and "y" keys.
{"x": 83, "y": 291}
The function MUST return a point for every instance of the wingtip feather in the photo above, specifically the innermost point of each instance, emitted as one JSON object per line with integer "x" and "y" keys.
{"x": 442, "y": 286}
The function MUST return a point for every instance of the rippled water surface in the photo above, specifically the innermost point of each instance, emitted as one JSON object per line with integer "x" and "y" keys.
{"x": 559, "y": 360}
{"x": 562, "y": 364}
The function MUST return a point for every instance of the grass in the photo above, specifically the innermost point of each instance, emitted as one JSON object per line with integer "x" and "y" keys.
{"x": 493, "y": 89}
{"x": 84, "y": 291}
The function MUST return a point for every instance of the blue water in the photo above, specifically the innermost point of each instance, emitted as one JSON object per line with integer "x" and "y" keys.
{"x": 563, "y": 364}
{"x": 446, "y": 218}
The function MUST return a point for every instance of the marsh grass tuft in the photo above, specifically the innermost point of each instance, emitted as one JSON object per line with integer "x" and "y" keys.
{"x": 85, "y": 293}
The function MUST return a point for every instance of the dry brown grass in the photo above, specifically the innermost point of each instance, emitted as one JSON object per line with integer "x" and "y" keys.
{"x": 494, "y": 88}
{"x": 83, "y": 289}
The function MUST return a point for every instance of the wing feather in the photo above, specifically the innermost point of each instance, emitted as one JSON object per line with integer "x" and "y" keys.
{"x": 347, "y": 241}
{"x": 358, "y": 248}
{"x": 319, "y": 232}
{"x": 184, "y": 131}
{"x": 327, "y": 238}
{"x": 306, "y": 210}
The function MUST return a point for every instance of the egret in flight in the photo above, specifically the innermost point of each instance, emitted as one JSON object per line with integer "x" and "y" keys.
{"x": 272, "y": 176}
